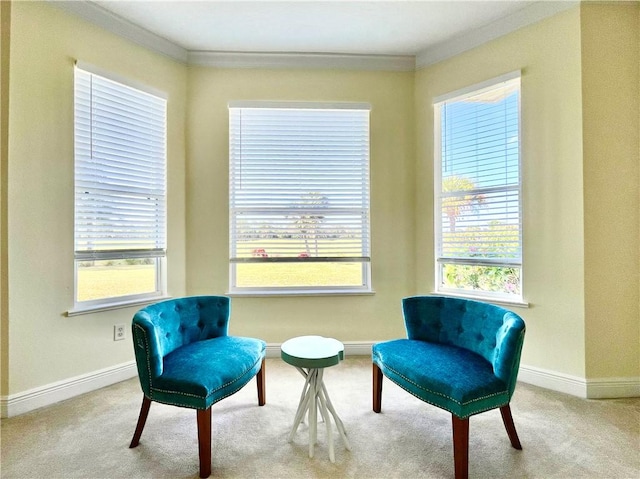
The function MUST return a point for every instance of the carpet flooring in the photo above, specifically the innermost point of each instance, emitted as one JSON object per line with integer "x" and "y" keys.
{"x": 88, "y": 436}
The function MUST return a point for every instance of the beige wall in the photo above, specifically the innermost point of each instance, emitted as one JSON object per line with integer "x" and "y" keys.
{"x": 548, "y": 54}
{"x": 611, "y": 130}
{"x": 5, "y": 27}
{"x": 580, "y": 153}
{"x": 349, "y": 318}
{"x": 45, "y": 345}
{"x": 579, "y": 323}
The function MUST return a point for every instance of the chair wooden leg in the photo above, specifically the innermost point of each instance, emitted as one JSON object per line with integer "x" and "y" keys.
{"x": 507, "y": 419}
{"x": 260, "y": 379}
{"x": 377, "y": 388}
{"x": 142, "y": 419}
{"x": 204, "y": 441}
{"x": 460, "y": 446}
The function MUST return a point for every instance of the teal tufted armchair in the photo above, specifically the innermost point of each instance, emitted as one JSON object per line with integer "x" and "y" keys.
{"x": 459, "y": 355}
{"x": 186, "y": 358}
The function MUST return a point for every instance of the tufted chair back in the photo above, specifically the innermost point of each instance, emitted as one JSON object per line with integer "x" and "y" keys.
{"x": 163, "y": 327}
{"x": 488, "y": 330}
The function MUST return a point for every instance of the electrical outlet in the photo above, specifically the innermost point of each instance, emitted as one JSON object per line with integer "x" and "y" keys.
{"x": 119, "y": 332}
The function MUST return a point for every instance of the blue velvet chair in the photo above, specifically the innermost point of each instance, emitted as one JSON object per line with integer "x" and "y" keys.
{"x": 186, "y": 358}
{"x": 461, "y": 356}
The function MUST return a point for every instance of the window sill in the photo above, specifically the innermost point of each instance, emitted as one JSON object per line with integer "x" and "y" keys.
{"x": 111, "y": 306}
{"x": 297, "y": 293}
{"x": 487, "y": 299}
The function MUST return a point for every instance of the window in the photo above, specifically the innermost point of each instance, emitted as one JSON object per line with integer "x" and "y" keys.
{"x": 478, "y": 218}
{"x": 120, "y": 189}
{"x": 299, "y": 198}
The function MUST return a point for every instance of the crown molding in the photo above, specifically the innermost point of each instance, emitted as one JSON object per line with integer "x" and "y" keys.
{"x": 528, "y": 15}
{"x": 97, "y": 15}
{"x": 101, "y": 17}
{"x": 303, "y": 61}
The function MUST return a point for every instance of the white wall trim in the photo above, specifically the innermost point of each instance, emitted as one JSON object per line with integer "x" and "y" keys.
{"x": 560, "y": 382}
{"x": 351, "y": 348}
{"x": 20, "y": 403}
{"x": 358, "y": 348}
{"x": 609, "y": 388}
{"x": 597, "y": 388}
{"x": 26, "y": 401}
{"x": 273, "y": 350}
{"x": 101, "y": 17}
{"x": 603, "y": 388}
{"x": 302, "y": 61}
{"x": 528, "y": 15}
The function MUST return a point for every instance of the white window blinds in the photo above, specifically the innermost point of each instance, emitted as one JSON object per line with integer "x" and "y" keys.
{"x": 478, "y": 211}
{"x": 120, "y": 170}
{"x": 299, "y": 174}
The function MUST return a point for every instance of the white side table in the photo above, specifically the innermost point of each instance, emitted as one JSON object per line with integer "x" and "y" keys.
{"x": 310, "y": 355}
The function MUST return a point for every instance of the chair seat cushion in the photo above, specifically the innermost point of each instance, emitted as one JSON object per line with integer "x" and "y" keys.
{"x": 449, "y": 377}
{"x": 199, "y": 374}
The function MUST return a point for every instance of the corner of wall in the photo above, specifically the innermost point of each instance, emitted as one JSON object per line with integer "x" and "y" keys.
{"x": 610, "y": 55}
{"x": 5, "y": 39}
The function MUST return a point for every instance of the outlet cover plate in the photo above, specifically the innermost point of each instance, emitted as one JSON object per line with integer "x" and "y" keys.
{"x": 119, "y": 332}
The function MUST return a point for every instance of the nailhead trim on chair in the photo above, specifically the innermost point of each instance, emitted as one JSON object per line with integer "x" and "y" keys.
{"x": 146, "y": 350}
{"x": 171, "y": 403}
{"x": 444, "y": 395}
{"x": 212, "y": 392}
{"x": 152, "y": 389}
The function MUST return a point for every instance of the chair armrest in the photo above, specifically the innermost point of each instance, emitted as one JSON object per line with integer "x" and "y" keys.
{"x": 147, "y": 349}
{"x": 509, "y": 341}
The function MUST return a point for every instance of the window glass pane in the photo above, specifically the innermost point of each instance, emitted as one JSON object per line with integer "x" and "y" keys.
{"x": 263, "y": 275}
{"x": 115, "y": 278}
{"x": 299, "y": 236}
{"x": 120, "y": 190}
{"x": 299, "y": 196}
{"x": 481, "y": 278}
{"x": 479, "y": 229}
{"x": 467, "y": 239}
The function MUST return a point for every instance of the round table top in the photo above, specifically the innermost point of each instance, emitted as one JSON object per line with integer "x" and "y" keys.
{"x": 312, "y": 351}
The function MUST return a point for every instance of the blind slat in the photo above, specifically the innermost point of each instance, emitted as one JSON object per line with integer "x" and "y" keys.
{"x": 479, "y": 193}
{"x": 120, "y": 170}
{"x": 299, "y": 184}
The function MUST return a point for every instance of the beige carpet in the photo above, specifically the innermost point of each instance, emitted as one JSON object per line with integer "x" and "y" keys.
{"x": 88, "y": 437}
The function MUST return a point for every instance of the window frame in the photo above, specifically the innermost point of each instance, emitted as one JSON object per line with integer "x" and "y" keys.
{"x": 158, "y": 253}
{"x": 363, "y": 259}
{"x": 440, "y": 261}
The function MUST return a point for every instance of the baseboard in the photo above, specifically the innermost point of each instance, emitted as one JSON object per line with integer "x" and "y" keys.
{"x": 358, "y": 348}
{"x": 273, "y": 350}
{"x": 26, "y": 401}
{"x": 603, "y": 388}
{"x": 553, "y": 380}
{"x": 609, "y": 388}
{"x": 351, "y": 348}
{"x": 32, "y": 399}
